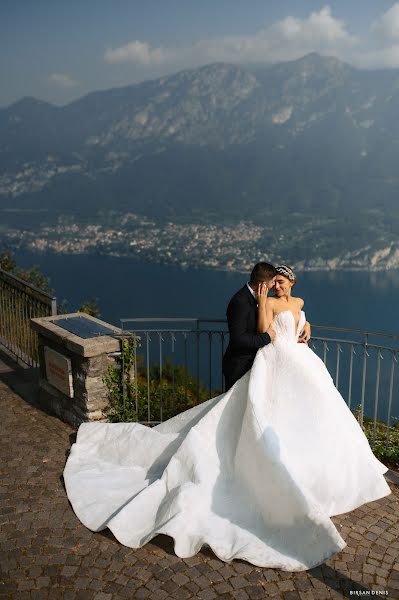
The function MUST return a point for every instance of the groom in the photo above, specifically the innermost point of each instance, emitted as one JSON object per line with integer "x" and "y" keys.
{"x": 242, "y": 318}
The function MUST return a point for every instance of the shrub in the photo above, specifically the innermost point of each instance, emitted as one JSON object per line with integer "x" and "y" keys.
{"x": 129, "y": 394}
{"x": 387, "y": 453}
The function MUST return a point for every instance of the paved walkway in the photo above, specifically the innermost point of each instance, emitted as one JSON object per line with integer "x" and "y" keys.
{"x": 45, "y": 552}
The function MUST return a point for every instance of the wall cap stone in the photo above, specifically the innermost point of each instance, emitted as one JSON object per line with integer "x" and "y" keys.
{"x": 103, "y": 344}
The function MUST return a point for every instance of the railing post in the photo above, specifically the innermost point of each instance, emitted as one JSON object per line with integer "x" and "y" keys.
{"x": 173, "y": 339}
{"x": 160, "y": 377}
{"x": 337, "y": 365}
{"x": 377, "y": 390}
{"x": 136, "y": 381}
{"x": 198, "y": 360}
{"x": 390, "y": 395}
{"x": 350, "y": 376}
{"x": 123, "y": 368}
{"x": 148, "y": 377}
{"x": 221, "y": 362}
{"x": 326, "y": 349}
{"x": 365, "y": 355}
{"x": 185, "y": 365}
{"x": 210, "y": 362}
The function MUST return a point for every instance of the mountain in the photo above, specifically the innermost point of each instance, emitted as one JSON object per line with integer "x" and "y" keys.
{"x": 220, "y": 142}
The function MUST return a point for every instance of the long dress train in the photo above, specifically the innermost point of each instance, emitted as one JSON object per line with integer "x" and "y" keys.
{"x": 254, "y": 473}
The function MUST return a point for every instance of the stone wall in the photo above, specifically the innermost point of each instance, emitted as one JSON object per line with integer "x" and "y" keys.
{"x": 89, "y": 360}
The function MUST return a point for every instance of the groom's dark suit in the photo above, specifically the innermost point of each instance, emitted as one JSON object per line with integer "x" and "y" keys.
{"x": 242, "y": 317}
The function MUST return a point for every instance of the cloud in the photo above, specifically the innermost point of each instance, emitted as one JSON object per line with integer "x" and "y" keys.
{"x": 62, "y": 80}
{"x": 378, "y": 58}
{"x": 136, "y": 52}
{"x": 287, "y": 39}
{"x": 383, "y": 48}
{"x": 320, "y": 29}
{"x": 387, "y": 26}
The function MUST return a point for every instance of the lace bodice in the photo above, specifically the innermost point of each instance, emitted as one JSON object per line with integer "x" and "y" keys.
{"x": 284, "y": 325}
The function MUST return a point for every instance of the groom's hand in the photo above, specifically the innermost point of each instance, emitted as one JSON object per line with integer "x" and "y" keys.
{"x": 305, "y": 334}
{"x": 271, "y": 332}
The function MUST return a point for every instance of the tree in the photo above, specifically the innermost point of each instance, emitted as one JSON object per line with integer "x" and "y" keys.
{"x": 36, "y": 278}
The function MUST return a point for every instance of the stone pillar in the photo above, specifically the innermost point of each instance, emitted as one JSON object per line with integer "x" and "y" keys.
{"x": 71, "y": 369}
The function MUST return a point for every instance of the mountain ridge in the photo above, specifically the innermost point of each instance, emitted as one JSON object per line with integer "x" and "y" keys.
{"x": 217, "y": 143}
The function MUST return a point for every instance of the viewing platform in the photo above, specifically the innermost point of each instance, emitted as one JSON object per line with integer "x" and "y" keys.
{"x": 46, "y": 553}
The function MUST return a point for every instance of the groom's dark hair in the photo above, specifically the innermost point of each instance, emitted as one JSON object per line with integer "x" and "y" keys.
{"x": 262, "y": 271}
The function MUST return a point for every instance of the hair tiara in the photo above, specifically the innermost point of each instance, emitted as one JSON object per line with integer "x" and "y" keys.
{"x": 286, "y": 271}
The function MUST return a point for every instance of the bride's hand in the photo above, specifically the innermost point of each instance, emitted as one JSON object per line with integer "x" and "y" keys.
{"x": 263, "y": 290}
{"x": 305, "y": 334}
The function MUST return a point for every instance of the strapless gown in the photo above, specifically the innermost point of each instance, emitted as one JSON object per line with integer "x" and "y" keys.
{"x": 254, "y": 473}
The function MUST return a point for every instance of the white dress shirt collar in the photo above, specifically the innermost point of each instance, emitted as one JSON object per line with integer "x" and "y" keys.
{"x": 252, "y": 292}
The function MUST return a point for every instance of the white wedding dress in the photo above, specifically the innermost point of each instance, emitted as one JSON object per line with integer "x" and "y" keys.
{"x": 254, "y": 473}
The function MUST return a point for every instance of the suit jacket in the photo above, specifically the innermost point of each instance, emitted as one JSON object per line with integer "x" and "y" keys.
{"x": 242, "y": 318}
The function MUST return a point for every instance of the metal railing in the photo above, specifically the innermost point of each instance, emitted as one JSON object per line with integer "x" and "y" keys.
{"x": 20, "y": 302}
{"x": 185, "y": 347}
{"x": 361, "y": 363}
{"x": 377, "y": 346}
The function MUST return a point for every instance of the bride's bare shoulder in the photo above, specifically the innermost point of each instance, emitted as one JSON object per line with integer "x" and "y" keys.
{"x": 300, "y": 302}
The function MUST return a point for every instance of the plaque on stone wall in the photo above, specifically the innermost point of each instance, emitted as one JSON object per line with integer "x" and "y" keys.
{"x": 59, "y": 371}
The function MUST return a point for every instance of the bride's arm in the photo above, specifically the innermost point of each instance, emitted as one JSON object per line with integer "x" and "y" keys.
{"x": 265, "y": 310}
{"x": 306, "y": 332}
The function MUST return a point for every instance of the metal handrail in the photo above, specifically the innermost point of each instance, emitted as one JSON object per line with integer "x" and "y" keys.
{"x": 351, "y": 362}
{"x": 355, "y": 342}
{"x": 21, "y": 301}
{"x": 212, "y": 320}
{"x": 314, "y": 338}
{"x": 362, "y": 331}
{"x": 23, "y": 285}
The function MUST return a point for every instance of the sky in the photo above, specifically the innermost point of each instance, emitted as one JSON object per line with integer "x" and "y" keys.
{"x": 60, "y": 50}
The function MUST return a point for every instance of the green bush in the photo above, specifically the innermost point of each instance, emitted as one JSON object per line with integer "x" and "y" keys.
{"x": 386, "y": 453}
{"x": 177, "y": 392}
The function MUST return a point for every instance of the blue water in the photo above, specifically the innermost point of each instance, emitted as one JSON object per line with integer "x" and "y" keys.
{"x": 127, "y": 289}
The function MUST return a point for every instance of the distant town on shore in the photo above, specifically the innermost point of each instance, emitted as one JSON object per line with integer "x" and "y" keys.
{"x": 307, "y": 245}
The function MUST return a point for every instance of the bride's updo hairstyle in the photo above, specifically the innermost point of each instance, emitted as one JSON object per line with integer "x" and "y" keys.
{"x": 286, "y": 271}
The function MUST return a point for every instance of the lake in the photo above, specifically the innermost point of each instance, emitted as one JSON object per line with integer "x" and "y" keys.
{"x": 127, "y": 289}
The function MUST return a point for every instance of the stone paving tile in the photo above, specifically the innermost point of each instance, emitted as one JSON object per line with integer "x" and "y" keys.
{"x": 47, "y": 554}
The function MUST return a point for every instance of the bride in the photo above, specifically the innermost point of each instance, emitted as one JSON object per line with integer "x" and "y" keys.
{"x": 254, "y": 473}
